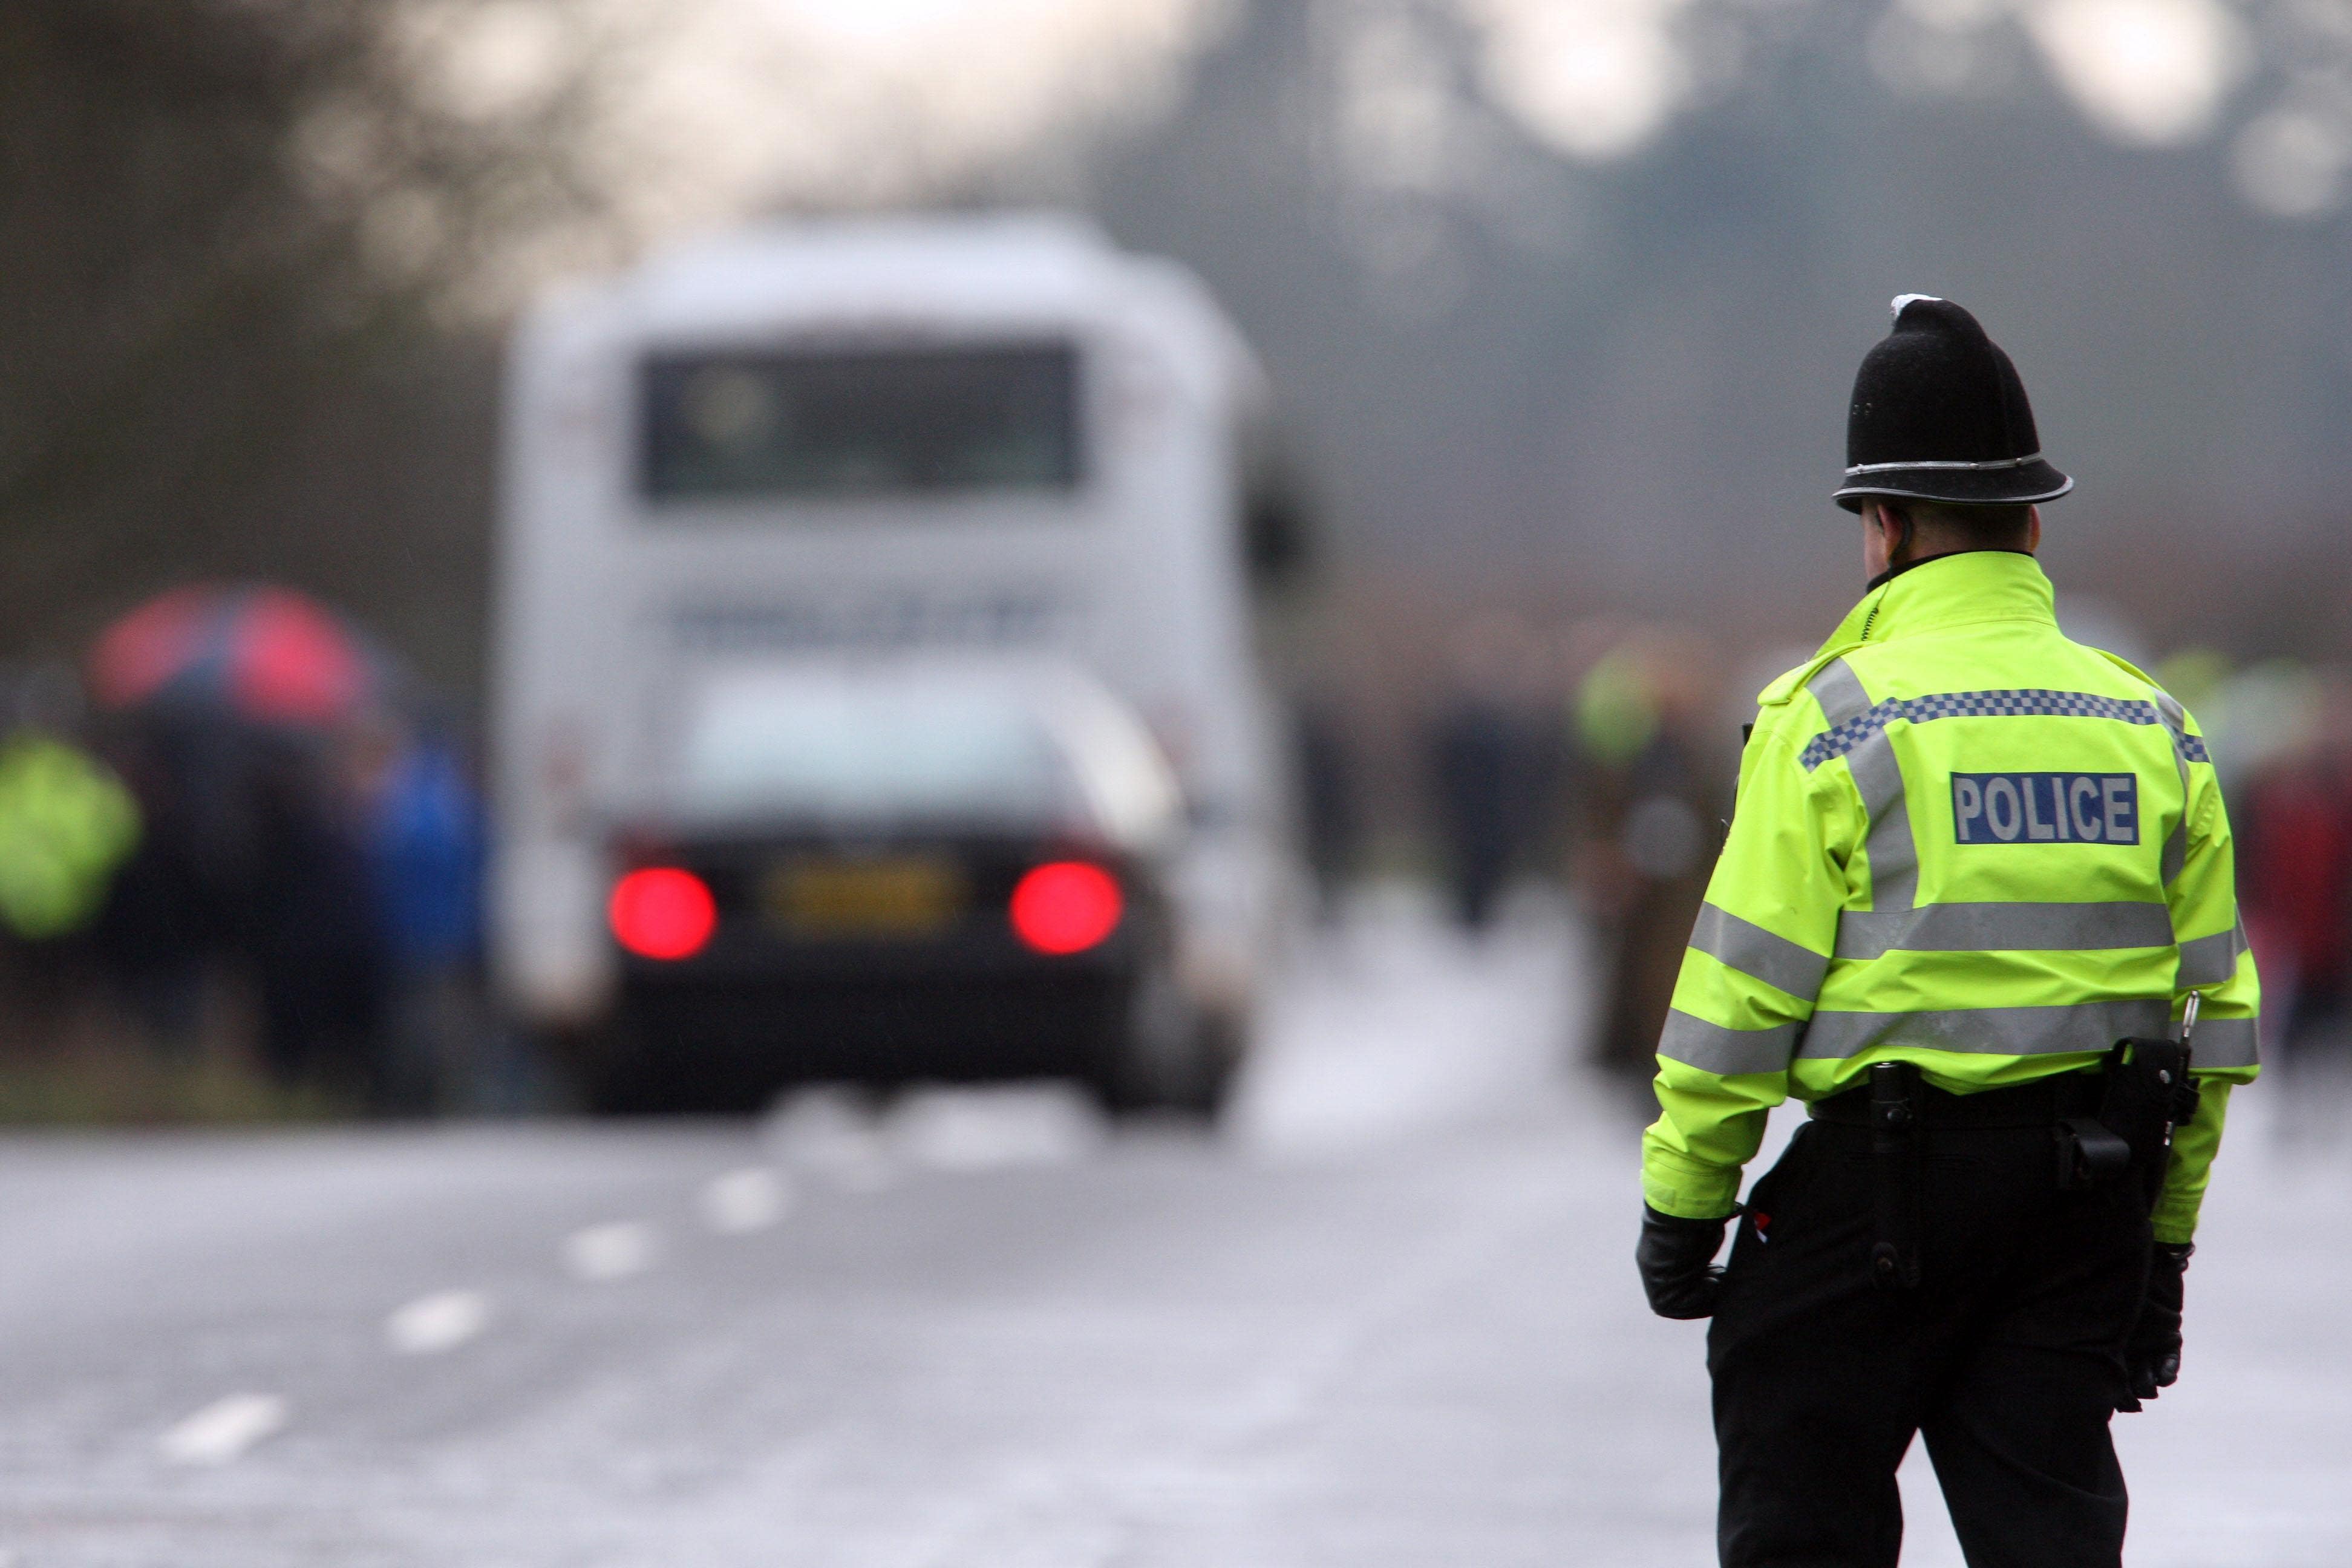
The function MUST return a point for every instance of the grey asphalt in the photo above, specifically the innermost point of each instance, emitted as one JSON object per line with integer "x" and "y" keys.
{"x": 1385, "y": 1316}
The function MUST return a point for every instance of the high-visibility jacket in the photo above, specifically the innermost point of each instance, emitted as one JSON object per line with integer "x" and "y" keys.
{"x": 1962, "y": 841}
{"x": 67, "y": 824}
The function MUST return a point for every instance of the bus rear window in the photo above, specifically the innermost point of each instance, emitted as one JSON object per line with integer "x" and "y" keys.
{"x": 842, "y": 424}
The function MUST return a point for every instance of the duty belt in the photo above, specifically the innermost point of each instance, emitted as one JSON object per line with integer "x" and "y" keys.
{"x": 2140, "y": 1087}
{"x": 2041, "y": 1103}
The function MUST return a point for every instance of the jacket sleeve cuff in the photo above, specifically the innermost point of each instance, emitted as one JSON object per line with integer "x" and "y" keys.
{"x": 1687, "y": 1190}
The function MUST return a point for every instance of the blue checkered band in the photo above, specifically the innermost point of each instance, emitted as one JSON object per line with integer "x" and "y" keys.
{"x": 1840, "y": 739}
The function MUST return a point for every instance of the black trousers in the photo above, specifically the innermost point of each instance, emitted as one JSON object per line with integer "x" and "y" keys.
{"x": 2007, "y": 1358}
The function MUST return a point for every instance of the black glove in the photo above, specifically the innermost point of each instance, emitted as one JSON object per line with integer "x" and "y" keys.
{"x": 2152, "y": 1353}
{"x": 1676, "y": 1258}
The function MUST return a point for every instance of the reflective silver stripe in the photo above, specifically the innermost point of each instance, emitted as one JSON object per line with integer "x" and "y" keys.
{"x": 1943, "y": 463}
{"x": 2176, "y": 843}
{"x": 2176, "y": 720}
{"x": 1994, "y": 928}
{"x": 1893, "y": 857}
{"x": 1989, "y": 1031}
{"x": 2186, "y": 747}
{"x": 2224, "y": 1043}
{"x": 2209, "y": 959}
{"x": 1753, "y": 951}
{"x": 1711, "y": 1047}
{"x": 1839, "y": 691}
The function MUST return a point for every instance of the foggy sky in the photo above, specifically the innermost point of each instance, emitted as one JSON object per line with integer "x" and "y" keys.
{"x": 1626, "y": 383}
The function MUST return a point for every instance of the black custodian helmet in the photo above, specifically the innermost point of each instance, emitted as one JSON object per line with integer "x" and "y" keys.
{"x": 1939, "y": 414}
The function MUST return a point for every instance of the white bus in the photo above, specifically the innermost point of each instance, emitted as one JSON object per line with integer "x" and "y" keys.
{"x": 849, "y": 574}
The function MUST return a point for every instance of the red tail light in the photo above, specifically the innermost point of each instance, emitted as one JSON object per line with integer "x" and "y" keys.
{"x": 662, "y": 913}
{"x": 1066, "y": 907}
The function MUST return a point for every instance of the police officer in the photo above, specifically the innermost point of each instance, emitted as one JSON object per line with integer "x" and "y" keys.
{"x": 1969, "y": 858}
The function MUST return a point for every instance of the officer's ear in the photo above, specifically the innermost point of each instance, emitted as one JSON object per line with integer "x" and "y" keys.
{"x": 1895, "y": 523}
{"x": 2033, "y": 531}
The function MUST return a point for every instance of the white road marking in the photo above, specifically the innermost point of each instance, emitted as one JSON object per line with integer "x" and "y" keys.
{"x": 603, "y": 1253}
{"x": 224, "y": 1429}
{"x": 994, "y": 1128}
{"x": 829, "y": 1134}
{"x": 441, "y": 1321}
{"x": 744, "y": 1200}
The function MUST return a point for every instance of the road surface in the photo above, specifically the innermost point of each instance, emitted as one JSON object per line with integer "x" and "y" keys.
{"x": 1386, "y": 1318}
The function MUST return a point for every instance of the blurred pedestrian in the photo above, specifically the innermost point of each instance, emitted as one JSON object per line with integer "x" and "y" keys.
{"x": 227, "y": 707}
{"x": 66, "y": 826}
{"x": 1968, "y": 856}
{"x": 1488, "y": 750}
{"x": 316, "y": 931}
{"x": 2296, "y": 867}
{"x": 422, "y": 823}
{"x": 1328, "y": 809}
{"x": 172, "y": 906}
{"x": 1654, "y": 806}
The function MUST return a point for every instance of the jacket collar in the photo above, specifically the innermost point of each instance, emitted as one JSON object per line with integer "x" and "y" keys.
{"x": 1950, "y": 591}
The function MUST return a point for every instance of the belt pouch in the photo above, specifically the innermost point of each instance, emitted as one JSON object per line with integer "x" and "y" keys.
{"x": 1895, "y": 1155}
{"x": 2089, "y": 1154}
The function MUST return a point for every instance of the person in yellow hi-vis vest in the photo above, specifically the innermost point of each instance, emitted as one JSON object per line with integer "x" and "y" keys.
{"x": 67, "y": 824}
{"x": 1977, "y": 886}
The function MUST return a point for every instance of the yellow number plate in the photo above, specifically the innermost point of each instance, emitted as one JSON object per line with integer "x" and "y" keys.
{"x": 902, "y": 897}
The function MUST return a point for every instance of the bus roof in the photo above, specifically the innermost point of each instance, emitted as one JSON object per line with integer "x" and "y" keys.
{"x": 905, "y": 275}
